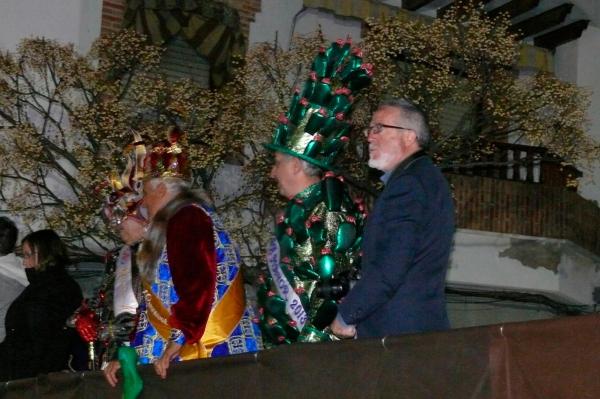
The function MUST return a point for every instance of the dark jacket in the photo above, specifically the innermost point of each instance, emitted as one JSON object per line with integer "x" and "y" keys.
{"x": 406, "y": 247}
{"x": 37, "y": 339}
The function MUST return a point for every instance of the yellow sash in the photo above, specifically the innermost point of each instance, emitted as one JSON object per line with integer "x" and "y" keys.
{"x": 223, "y": 318}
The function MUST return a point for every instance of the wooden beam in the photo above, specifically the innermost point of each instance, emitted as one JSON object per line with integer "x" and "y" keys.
{"x": 543, "y": 21}
{"x": 413, "y": 5}
{"x": 443, "y": 10}
{"x": 562, "y": 35}
{"x": 514, "y": 8}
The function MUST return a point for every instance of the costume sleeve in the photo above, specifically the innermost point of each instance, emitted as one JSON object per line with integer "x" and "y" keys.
{"x": 192, "y": 260}
{"x": 398, "y": 218}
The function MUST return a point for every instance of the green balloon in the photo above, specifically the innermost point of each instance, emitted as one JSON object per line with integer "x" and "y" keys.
{"x": 281, "y": 134}
{"x": 317, "y": 232}
{"x": 276, "y": 306}
{"x": 315, "y": 122}
{"x": 346, "y": 235}
{"x": 335, "y": 193}
{"x": 357, "y": 244}
{"x": 319, "y": 64}
{"x": 305, "y": 271}
{"x": 326, "y": 266}
{"x": 297, "y": 219}
{"x": 312, "y": 148}
{"x": 286, "y": 245}
{"x": 333, "y": 146}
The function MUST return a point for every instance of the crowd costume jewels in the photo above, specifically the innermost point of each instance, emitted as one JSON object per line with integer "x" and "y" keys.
{"x": 193, "y": 291}
{"x": 316, "y": 253}
{"x": 107, "y": 321}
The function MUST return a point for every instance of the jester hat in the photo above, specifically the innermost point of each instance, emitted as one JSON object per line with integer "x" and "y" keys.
{"x": 126, "y": 196}
{"x": 316, "y": 125}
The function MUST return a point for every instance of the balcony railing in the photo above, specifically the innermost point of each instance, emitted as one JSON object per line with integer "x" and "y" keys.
{"x": 525, "y": 190}
{"x": 517, "y": 162}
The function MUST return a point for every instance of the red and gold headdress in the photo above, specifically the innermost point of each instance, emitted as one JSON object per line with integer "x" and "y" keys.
{"x": 167, "y": 158}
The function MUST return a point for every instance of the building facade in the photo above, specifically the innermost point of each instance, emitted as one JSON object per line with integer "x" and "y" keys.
{"x": 524, "y": 250}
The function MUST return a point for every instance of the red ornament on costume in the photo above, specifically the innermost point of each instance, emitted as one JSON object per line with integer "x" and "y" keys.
{"x": 283, "y": 119}
{"x": 86, "y": 324}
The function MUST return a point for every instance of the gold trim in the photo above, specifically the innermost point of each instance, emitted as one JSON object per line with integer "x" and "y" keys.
{"x": 223, "y": 318}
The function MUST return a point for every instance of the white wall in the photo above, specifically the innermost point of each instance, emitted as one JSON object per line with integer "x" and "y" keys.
{"x": 591, "y": 9}
{"x": 578, "y": 62}
{"x": 333, "y": 27}
{"x": 588, "y": 76}
{"x": 275, "y": 16}
{"x": 507, "y": 262}
{"x": 285, "y": 18}
{"x": 68, "y": 21}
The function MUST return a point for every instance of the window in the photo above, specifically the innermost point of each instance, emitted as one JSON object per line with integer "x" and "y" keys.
{"x": 181, "y": 61}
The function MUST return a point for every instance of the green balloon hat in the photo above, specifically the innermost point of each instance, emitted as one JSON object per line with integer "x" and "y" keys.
{"x": 316, "y": 125}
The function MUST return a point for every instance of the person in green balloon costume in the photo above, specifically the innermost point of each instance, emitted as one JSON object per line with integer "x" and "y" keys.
{"x": 315, "y": 256}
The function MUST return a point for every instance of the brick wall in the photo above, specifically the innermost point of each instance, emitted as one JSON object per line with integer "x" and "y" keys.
{"x": 502, "y": 206}
{"x": 112, "y": 16}
{"x": 247, "y": 9}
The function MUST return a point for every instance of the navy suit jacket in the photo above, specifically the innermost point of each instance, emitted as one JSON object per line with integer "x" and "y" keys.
{"x": 406, "y": 247}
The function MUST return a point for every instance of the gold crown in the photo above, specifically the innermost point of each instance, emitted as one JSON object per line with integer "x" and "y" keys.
{"x": 167, "y": 158}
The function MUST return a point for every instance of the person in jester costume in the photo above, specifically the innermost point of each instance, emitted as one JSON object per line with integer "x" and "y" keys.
{"x": 316, "y": 254}
{"x": 107, "y": 321}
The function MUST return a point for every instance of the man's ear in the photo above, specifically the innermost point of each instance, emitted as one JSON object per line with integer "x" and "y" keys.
{"x": 410, "y": 137}
{"x": 296, "y": 165}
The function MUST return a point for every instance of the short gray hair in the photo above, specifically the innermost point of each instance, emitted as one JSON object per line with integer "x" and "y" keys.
{"x": 310, "y": 169}
{"x": 413, "y": 117}
{"x": 176, "y": 186}
{"x": 173, "y": 184}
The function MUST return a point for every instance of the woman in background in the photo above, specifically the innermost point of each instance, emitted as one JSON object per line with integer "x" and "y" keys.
{"x": 37, "y": 339}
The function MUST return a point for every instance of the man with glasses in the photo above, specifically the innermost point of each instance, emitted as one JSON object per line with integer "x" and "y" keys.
{"x": 408, "y": 235}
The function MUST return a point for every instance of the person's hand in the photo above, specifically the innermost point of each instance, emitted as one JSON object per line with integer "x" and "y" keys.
{"x": 342, "y": 330}
{"x": 110, "y": 372}
{"x": 162, "y": 365}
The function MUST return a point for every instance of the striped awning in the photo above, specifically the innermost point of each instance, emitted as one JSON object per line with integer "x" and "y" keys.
{"x": 530, "y": 57}
{"x": 210, "y": 27}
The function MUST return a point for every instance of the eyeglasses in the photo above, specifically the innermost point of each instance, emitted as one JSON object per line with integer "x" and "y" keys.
{"x": 378, "y": 128}
{"x": 28, "y": 254}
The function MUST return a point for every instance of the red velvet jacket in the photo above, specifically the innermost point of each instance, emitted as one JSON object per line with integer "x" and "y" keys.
{"x": 192, "y": 260}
